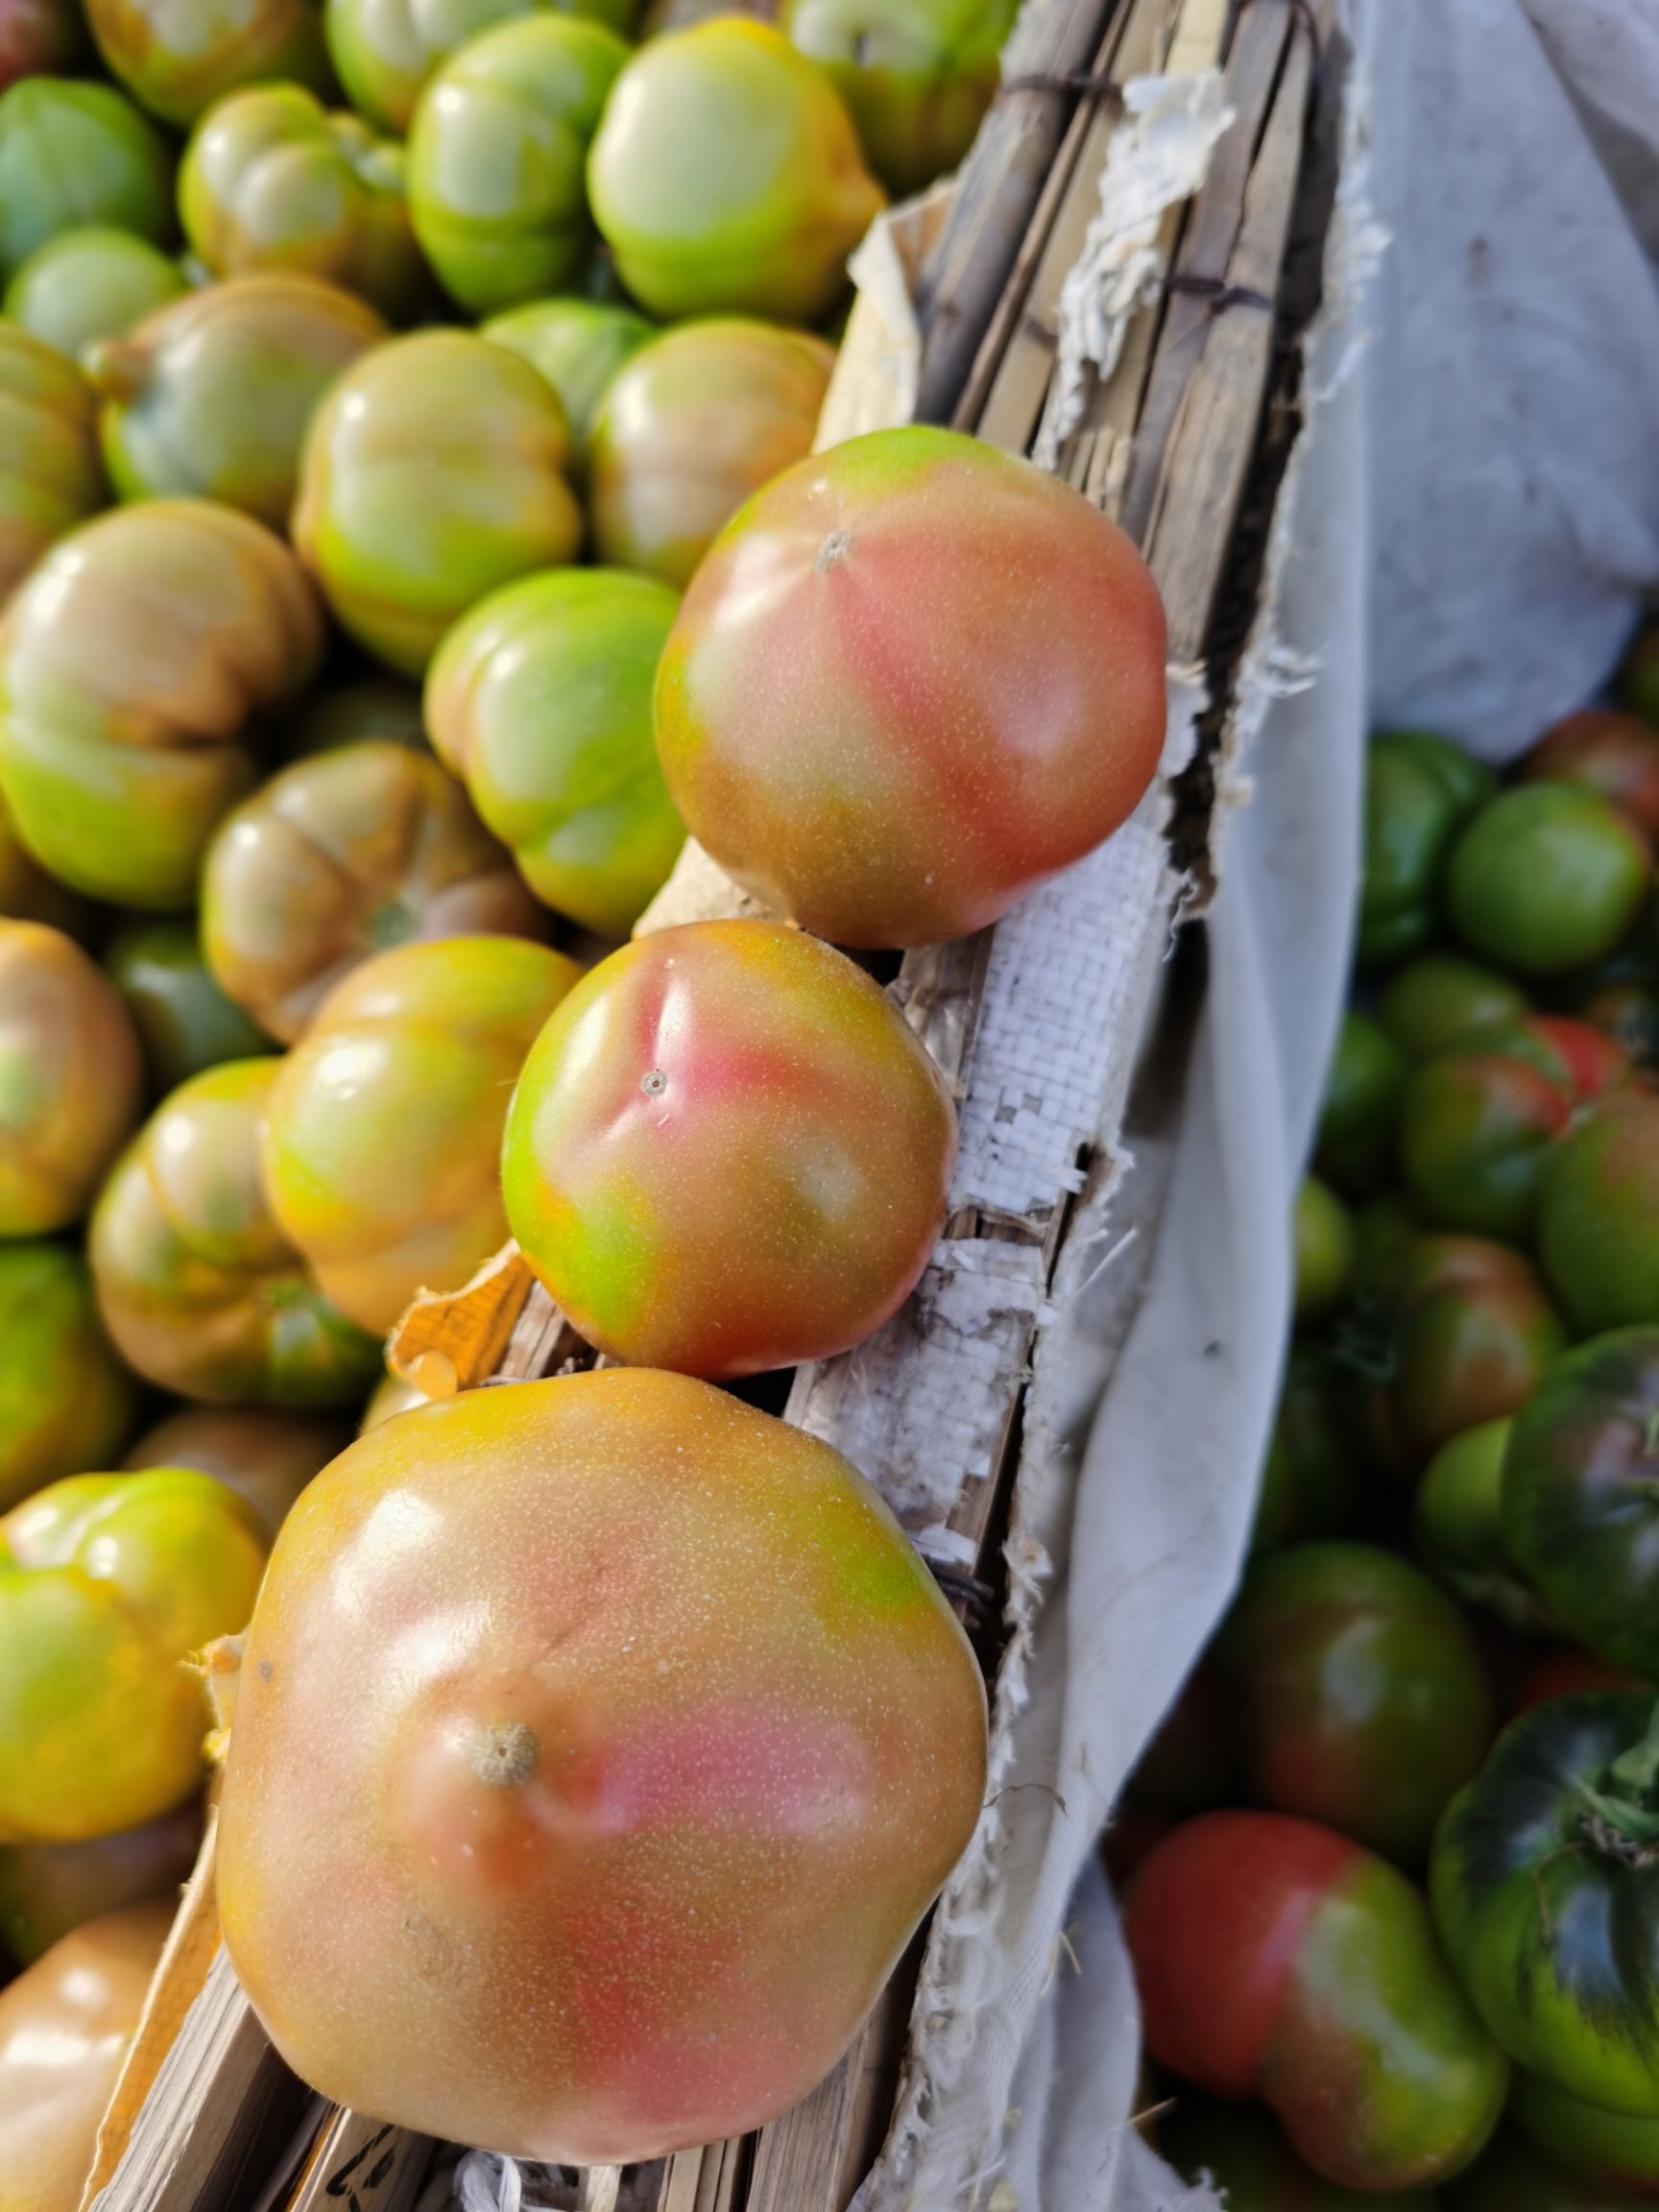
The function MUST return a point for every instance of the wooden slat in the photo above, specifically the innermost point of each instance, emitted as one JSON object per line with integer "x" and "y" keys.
{"x": 363, "y": 2165}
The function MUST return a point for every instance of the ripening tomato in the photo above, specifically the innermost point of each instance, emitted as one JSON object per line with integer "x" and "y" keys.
{"x": 1476, "y": 1131}
{"x": 1458, "y": 1528}
{"x": 39, "y": 39}
{"x": 1512, "y": 2175}
{"x": 66, "y": 1402}
{"x": 914, "y": 677}
{"x": 1315, "y": 1480}
{"x": 1440, "y": 1000}
{"x": 1599, "y": 1216}
{"x": 728, "y": 1151}
{"x": 51, "y": 476}
{"x": 1567, "y": 1672}
{"x": 1361, "y": 1109}
{"x": 1277, "y": 1958}
{"x": 47, "y": 1890}
{"x": 1616, "y": 755}
{"x": 1471, "y": 1337}
{"x": 610, "y": 1688}
{"x": 1241, "y": 2153}
{"x": 178, "y": 57}
{"x": 266, "y": 1458}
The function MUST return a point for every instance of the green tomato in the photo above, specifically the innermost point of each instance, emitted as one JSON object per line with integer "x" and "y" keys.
{"x": 578, "y": 344}
{"x": 1458, "y": 1528}
{"x": 1419, "y": 792}
{"x": 1314, "y": 1480}
{"x": 1618, "y": 2151}
{"x": 1545, "y": 1892}
{"x": 71, "y": 155}
{"x": 178, "y": 57}
{"x": 1471, "y": 1337}
{"x": 497, "y": 158}
{"x": 185, "y": 1022}
{"x": 1598, "y": 1230}
{"x": 66, "y": 1402}
{"x": 1324, "y": 1245}
{"x": 1238, "y": 2151}
{"x": 1475, "y": 1133}
{"x": 1511, "y": 2177}
{"x": 1439, "y": 1000}
{"x": 90, "y": 284}
{"x": 1547, "y": 877}
{"x": 1357, "y": 1121}
{"x": 384, "y": 50}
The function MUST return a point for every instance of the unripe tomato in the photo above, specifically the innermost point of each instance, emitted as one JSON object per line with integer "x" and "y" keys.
{"x": 28, "y": 894}
{"x": 1238, "y": 2151}
{"x": 39, "y": 39}
{"x": 579, "y": 346}
{"x": 389, "y": 1397}
{"x": 1616, "y": 755}
{"x": 541, "y": 698}
{"x": 698, "y": 420}
{"x": 914, "y": 677}
{"x": 51, "y": 476}
{"x": 1616, "y": 2151}
{"x": 1361, "y": 1109}
{"x": 265, "y": 1456}
{"x": 66, "y": 1402}
{"x": 107, "y": 1583}
{"x": 1323, "y": 1234}
{"x": 1277, "y": 1958}
{"x": 1419, "y": 792}
{"x": 1547, "y": 877}
{"x": 728, "y": 1151}
{"x": 64, "y": 2031}
{"x": 89, "y": 284}
{"x": 185, "y": 1022}
{"x": 178, "y": 57}
{"x": 1439, "y": 1000}
{"x": 1473, "y": 1336}
{"x": 198, "y": 1286}
{"x": 75, "y": 154}
{"x": 1458, "y": 1528}
{"x": 727, "y": 176}
{"x": 497, "y": 158}
{"x": 384, "y": 50}
{"x": 611, "y": 1688}
{"x": 1567, "y": 1672}
{"x": 1314, "y": 1480}
{"x": 341, "y": 856}
{"x": 1512, "y": 2175}
{"x": 401, "y": 552}
{"x": 917, "y": 75}
{"x": 48, "y": 1889}
{"x": 382, "y": 1150}
{"x": 117, "y": 764}
{"x": 272, "y": 180}
{"x": 71, "y": 1078}
{"x": 1599, "y": 1216}
{"x": 1477, "y": 1129}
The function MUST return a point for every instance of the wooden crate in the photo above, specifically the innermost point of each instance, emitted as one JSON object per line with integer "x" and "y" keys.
{"x": 963, "y": 316}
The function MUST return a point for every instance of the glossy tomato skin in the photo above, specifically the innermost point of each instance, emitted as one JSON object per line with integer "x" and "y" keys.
{"x": 1580, "y": 1507}
{"x": 1277, "y": 1958}
{"x": 1315, "y": 1480}
{"x": 1439, "y": 1000}
{"x": 66, "y": 1402}
{"x": 185, "y": 1022}
{"x": 51, "y": 476}
{"x": 1547, "y": 877}
{"x": 1473, "y": 1336}
{"x": 1598, "y": 1231}
{"x": 1476, "y": 1129}
{"x": 72, "y": 154}
{"x": 176, "y": 60}
{"x": 1512, "y": 2175}
{"x": 1458, "y": 1528}
{"x": 728, "y": 1152}
{"x": 89, "y": 283}
{"x": 266, "y": 1456}
{"x": 1360, "y": 1110}
{"x": 1419, "y": 792}
{"x": 1243, "y": 2153}
{"x": 647, "y": 1706}
{"x": 107, "y": 1583}
{"x": 48, "y": 1889}
{"x": 824, "y": 717}
{"x": 386, "y": 51}
{"x": 1616, "y": 755}
{"x": 580, "y": 346}
{"x": 1616, "y": 2151}
{"x": 1358, "y": 1690}
{"x": 1568, "y": 1673}
{"x": 1323, "y": 1242}
{"x": 1547, "y": 1901}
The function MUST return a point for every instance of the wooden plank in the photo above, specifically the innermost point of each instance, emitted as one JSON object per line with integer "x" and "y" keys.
{"x": 363, "y": 2165}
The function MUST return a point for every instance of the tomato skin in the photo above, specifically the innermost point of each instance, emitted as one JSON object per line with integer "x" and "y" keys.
{"x": 1474, "y": 1132}
{"x": 1551, "y": 1922}
{"x": 51, "y": 476}
{"x": 66, "y": 1402}
{"x": 1616, "y": 2151}
{"x": 1512, "y": 2175}
{"x": 1458, "y": 1527}
{"x": 1568, "y": 1673}
{"x": 1419, "y": 792}
{"x": 1473, "y": 1335}
{"x": 1357, "y": 1692}
{"x": 176, "y": 60}
{"x": 1547, "y": 877}
{"x": 1247, "y": 2157}
{"x": 849, "y": 761}
{"x": 1277, "y": 1958}
{"x": 1314, "y": 1480}
{"x": 1324, "y": 1247}
{"x": 1580, "y": 1508}
{"x": 1614, "y": 755}
{"x": 185, "y": 1022}
{"x": 1440, "y": 1000}
{"x": 1360, "y": 1110}
{"x": 265, "y": 1456}
{"x": 48, "y": 1889}
{"x": 1597, "y": 1223}
{"x": 580, "y": 346}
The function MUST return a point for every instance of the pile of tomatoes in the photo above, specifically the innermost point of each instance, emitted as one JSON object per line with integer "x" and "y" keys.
{"x": 1392, "y": 1865}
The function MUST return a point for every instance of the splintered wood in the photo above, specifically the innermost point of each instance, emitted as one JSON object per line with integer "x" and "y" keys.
{"x": 1036, "y": 1023}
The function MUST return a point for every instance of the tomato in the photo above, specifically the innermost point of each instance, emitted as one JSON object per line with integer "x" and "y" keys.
{"x": 64, "y": 2029}
{"x": 1314, "y": 1480}
{"x": 265, "y": 1456}
{"x": 39, "y": 39}
{"x": 1547, "y": 877}
{"x": 726, "y": 177}
{"x": 1583, "y": 1064}
{"x": 1512, "y": 2177}
{"x": 698, "y": 420}
{"x": 579, "y": 346}
{"x": 71, "y": 1078}
{"x": 609, "y": 1687}
{"x": 211, "y": 397}
{"x": 1475, "y": 1133}
{"x": 1440, "y": 1000}
{"x": 271, "y": 181}
{"x": 1277, "y": 1958}
{"x": 1239, "y": 2151}
{"x": 66, "y": 1402}
{"x": 1616, "y": 2151}
{"x": 1385, "y": 1239}
{"x": 383, "y": 1141}
{"x": 541, "y": 699}
{"x": 342, "y": 855}
{"x": 1626, "y": 1009}
{"x": 88, "y": 284}
{"x": 1419, "y": 792}
{"x": 1565, "y": 1673}
{"x": 49, "y": 474}
{"x": 178, "y": 57}
{"x": 1360, "y": 1110}
{"x": 389, "y": 1397}
{"x": 401, "y": 552}
{"x": 76, "y": 154}
{"x": 888, "y": 781}
{"x": 116, "y": 766}
{"x": 728, "y": 1152}
{"x": 1639, "y": 677}
{"x": 1473, "y": 1336}
{"x": 385, "y": 51}
{"x": 1546, "y": 1896}
{"x": 1357, "y": 1690}
{"x": 1458, "y": 1528}
{"x": 1616, "y": 755}
{"x": 496, "y": 156}
{"x": 1324, "y": 1247}
{"x": 28, "y": 894}
{"x": 47, "y": 1890}
{"x": 1580, "y": 1507}
{"x": 185, "y": 1022}
{"x": 107, "y": 1583}
{"x": 1598, "y": 1232}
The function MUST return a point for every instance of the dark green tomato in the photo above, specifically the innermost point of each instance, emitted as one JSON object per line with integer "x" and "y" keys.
{"x": 1545, "y": 1882}
{"x": 1363, "y": 1090}
{"x": 1639, "y": 678}
{"x": 1458, "y": 1528}
{"x": 1324, "y": 1247}
{"x": 1314, "y": 1480}
{"x": 1419, "y": 792}
{"x": 1440, "y": 1000}
{"x": 1597, "y": 1223}
{"x": 1580, "y": 1501}
{"x": 1357, "y": 1692}
{"x": 1191, "y": 1764}
{"x": 1511, "y": 2177}
{"x": 184, "y": 1020}
{"x": 1473, "y": 1336}
{"x": 1474, "y": 1132}
{"x": 1616, "y": 2151}
{"x": 1241, "y": 2153}
{"x": 90, "y": 284}
{"x": 1547, "y": 877}
{"x": 76, "y": 154}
